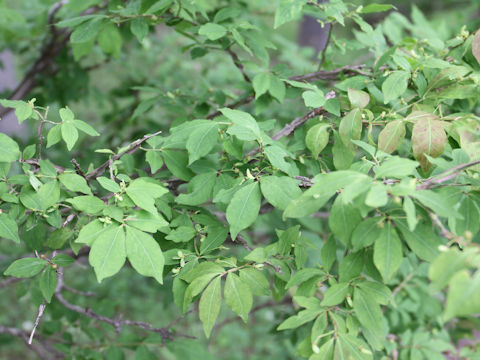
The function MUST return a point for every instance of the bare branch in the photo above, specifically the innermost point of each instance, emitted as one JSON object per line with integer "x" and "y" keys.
{"x": 117, "y": 323}
{"x": 238, "y": 64}
{"x": 446, "y": 175}
{"x": 331, "y": 74}
{"x": 10, "y": 281}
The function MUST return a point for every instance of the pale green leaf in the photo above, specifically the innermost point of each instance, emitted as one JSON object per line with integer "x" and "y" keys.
{"x": 107, "y": 254}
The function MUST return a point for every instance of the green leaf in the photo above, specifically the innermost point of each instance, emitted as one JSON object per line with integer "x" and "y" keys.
{"x": 409, "y": 208}
{"x": 471, "y": 217}
{"x": 244, "y": 126}
{"x": 54, "y": 135}
{"x": 317, "y": 138}
{"x": 66, "y": 114}
{"x": 181, "y": 234}
{"x": 366, "y": 233}
{"x": 177, "y": 162}
{"x": 202, "y": 140}
{"x": 200, "y": 188}
{"x": 209, "y": 305}
{"x": 279, "y": 190}
{"x": 387, "y": 252}
{"x": 351, "y": 266}
{"x": 298, "y": 320}
{"x": 377, "y": 291}
{"x": 216, "y": 236}
{"x": 23, "y": 110}
{"x": 396, "y": 167}
{"x": 423, "y": 241}
{"x": 335, "y": 294}
{"x": 463, "y": 297}
{"x": 261, "y": 84}
{"x": 69, "y": 134}
{"x": 358, "y": 98}
{"x": 243, "y": 208}
{"x": 139, "y": 28}
{"x": 445, "y": 266}
{"x": 63, "y": 260}
{"x": 276, "y": 155}
{"x": 287, "y": 240}
{"x": 287, "y": 10}
{"x": 74, "y": 182}
{"x": 277, "y": 88}
{"x": 395, "y": 85}
{"x": 343, "y": 219}
{"x": 92, "y": 231}
{"x": 326, "y": 185}
{"x": 8, "y": 228}
{"x": 48, "y": 283}
{"x": 303, "y": 276}
{"x": 351, "y": 128}
{"x": 110, "y": 40}
{"x": 59, "y": 237}
{"x": 368, "y": 311}
{"x": 428, "y": 138}
{"x": 435, "y": 201}
{"x": 86, "y": 31}
{"x": 349, "y": 347}
{"x": 391, "y": 136}
{"x": 342, "y": 154}
{"x": 375, "y": 8}
{"x": 107, "y": 254}
{"x": 160, "y": 5}
{"x": 25, "y": 268}
{"x": 154, "y": 159}
{"x": 377, "y": 196}
{"x": 31, "y": 200}
{"x": 84, "y": 127}
{"x": 256, "y": 281}
{"x": 88, "y": 204}
{"x": 145, "y": 221}
{"x": 238, "y": 296}
{"x": 202, "y": 269}
{"x": 144, "y": 253}
{"x": 143, "y": 193}
{"x": 212, "y": 31}
{"x": 108, "y": 184}
{"x": 313, "y": 98}
{"x": 9, "y": 150}
{"x": 328, "y": 253}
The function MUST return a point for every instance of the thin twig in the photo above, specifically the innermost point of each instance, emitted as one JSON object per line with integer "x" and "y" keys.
{"x": 130, "y": 149}
{"x": 41, "y": 309}
{"x": 402, "y": 284}
{"x": 446, "y": 175}
{"x": 322, "y": 58}
{"x": 78, "y": 292}
{"x": 232, "y": 106}
{"x": 165, "y": 333}
{"x": 238, "y": 64}
{"x": 79, "y": 170}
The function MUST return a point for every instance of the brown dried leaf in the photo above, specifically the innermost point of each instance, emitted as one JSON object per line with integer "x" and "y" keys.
{"x": 476, "y": 46}
{"x": 428, "y": 138}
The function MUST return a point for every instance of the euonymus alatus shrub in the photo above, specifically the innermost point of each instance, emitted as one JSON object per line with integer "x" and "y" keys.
{"x": 220, "y": 163}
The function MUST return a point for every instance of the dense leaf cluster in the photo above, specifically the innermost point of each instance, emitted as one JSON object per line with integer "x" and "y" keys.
{"x": 350, "y": 193}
